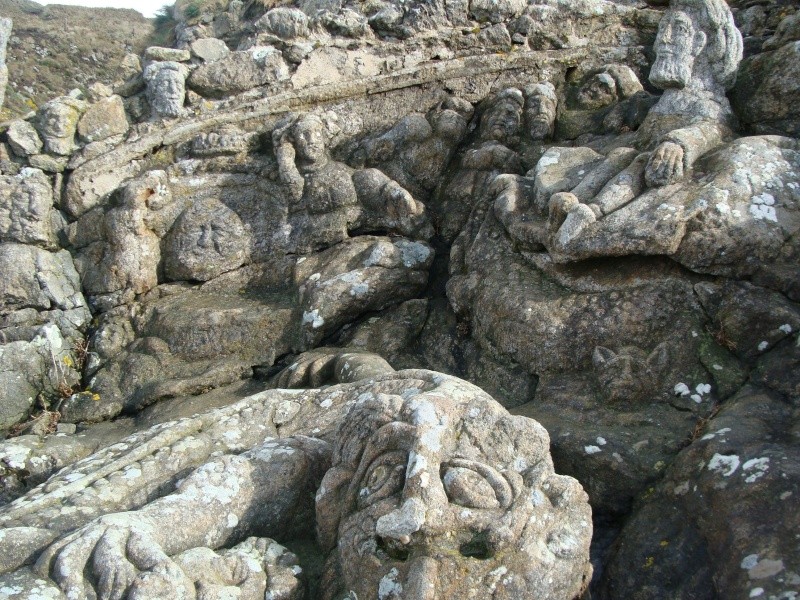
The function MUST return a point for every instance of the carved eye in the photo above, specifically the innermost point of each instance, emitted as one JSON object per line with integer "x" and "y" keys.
{"x": 473, "y": 485}
{"x": 385, "y": 477}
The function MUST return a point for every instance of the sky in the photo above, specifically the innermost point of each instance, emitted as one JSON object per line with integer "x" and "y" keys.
{"x": 147, "y": 7}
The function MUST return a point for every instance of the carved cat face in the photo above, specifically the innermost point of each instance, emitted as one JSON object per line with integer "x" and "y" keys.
{"x": 629, "y": 375}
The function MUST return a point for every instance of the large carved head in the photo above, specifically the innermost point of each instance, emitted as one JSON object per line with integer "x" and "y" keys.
{"x": 444, "y": 494}
{"x": 166, "y": 88}
{"x": 698, "y": 43}
{"x": 541, "y": 104}
{"x": 503, "y": 119}
{"x": 58, "y": 120}
{"x": 310, "y": 138}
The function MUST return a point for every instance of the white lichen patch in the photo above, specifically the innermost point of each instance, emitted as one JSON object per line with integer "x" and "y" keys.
{"x": 724, "y": 464}
{"x": 591, "y": 449}
{"x": 413, "y": 253}
{"x": 389, "y": 587}
{"x": 763, "y": 212}
{"x": 755, "y": 468}
{"x": 786, "y": 328}
{"x": 313, "y": 317}
{"x": 601, "y": 441}
{"x": 681, "y": 389}
{"x": 359, "y": 290}
{"x": 763, "y": 345}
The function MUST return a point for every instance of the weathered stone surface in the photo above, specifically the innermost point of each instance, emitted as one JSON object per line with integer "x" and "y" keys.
{"x": 159, "y": 53}
{"x": 5, "y": 32}
{"x": 722, "y": 515}
{"x": 103, "y": 119}
{"x": 366, "y": 274}
{"x": 495, "y": 476}
{"x": 284, "y": 22}
{"x": 23, "y": 138}
{"x": 26, "y": 209}
{"x": 239, "y": 71}
{"x": 210, "y": 49}
{"x": 765, "y": 80}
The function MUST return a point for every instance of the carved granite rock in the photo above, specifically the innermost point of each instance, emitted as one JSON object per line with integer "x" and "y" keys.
{"x": 166, "y": 88}
{"x": 26, "y": 210}
{"x": 402, "y": 495}
{"x": 58, "y": 122}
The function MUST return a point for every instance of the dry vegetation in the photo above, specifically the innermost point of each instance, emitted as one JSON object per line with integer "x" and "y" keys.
{"x": 54, "y": 49}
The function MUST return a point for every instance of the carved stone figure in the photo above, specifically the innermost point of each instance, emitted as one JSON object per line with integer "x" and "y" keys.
{"x": 208, "y": 239}
{"x": 430, "y": 489}
{"x": 496, "y": 151}
{"x": 698, "y": 50}
{"x": 419, "y": 147}
{"x": 57, "y": 123}
{"x": 329, "y": 198}
{"x": 166, "y": 88}
{"x": 630, "y": 373}
{"x": 132, "y": 250}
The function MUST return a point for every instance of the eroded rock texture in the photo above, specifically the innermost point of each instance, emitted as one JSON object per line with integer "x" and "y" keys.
{"x": 590, "y": 210}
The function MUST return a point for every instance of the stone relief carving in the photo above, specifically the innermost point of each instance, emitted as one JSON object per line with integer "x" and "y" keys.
{"x": 428, "y": 487}
{"x": 166, "y": 88}
{"x": 331, "y": 198}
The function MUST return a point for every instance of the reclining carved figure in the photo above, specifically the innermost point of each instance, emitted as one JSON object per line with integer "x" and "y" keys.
{"x": 425, "y": 488}
{"x": 698, "y": 50}
{"x": 330, "y": 198}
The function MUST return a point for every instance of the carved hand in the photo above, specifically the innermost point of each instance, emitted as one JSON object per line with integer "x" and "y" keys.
{"x": 665, "y": 165}
{"x": 118, "y": 549}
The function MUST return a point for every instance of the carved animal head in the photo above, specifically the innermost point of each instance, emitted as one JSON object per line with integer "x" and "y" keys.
{"x": 631, "y": 374}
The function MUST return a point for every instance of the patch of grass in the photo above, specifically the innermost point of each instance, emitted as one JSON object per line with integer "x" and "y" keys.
{"x": 163, "y": 27}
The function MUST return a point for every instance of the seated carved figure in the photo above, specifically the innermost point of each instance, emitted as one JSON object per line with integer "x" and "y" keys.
{"x": 511, "y": 133}
{"x": 417, "y": 149}
{"x": 698, "y": 49}
{"x": 330, "y": 198}
{"x": 428, "y": 489}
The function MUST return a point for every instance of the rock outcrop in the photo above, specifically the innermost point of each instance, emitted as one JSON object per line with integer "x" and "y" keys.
{"x": 555, "y": 201}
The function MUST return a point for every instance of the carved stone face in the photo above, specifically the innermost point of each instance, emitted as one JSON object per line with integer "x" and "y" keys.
{"x": 502, "y": 121}
{"x": 166, "y": 89}
{"x": 630, "y": 374}
{"x": 540, "y": 111}
{"x": 455, "y": 499}
{"x": 310, "y": 140}
{"x": 677, "y": 45}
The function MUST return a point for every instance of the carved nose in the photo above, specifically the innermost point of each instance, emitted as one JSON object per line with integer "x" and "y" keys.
{"x": 422, "y": 579}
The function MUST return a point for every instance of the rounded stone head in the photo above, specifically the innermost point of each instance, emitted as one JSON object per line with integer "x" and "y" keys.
{"x": 697, "y": 45}
{"x": 540, "y": 110}
{"x": 57, "y": 123}
{"x": 503, "y": 119}
{"x": 443, "y": 494}
{"x": 166, "y": 88}
{"x": 310, "y": 137}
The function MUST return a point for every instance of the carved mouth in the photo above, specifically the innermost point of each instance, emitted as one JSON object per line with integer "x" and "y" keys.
{"x": 478, "y": 547}
{"x": 393, "y": 549}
